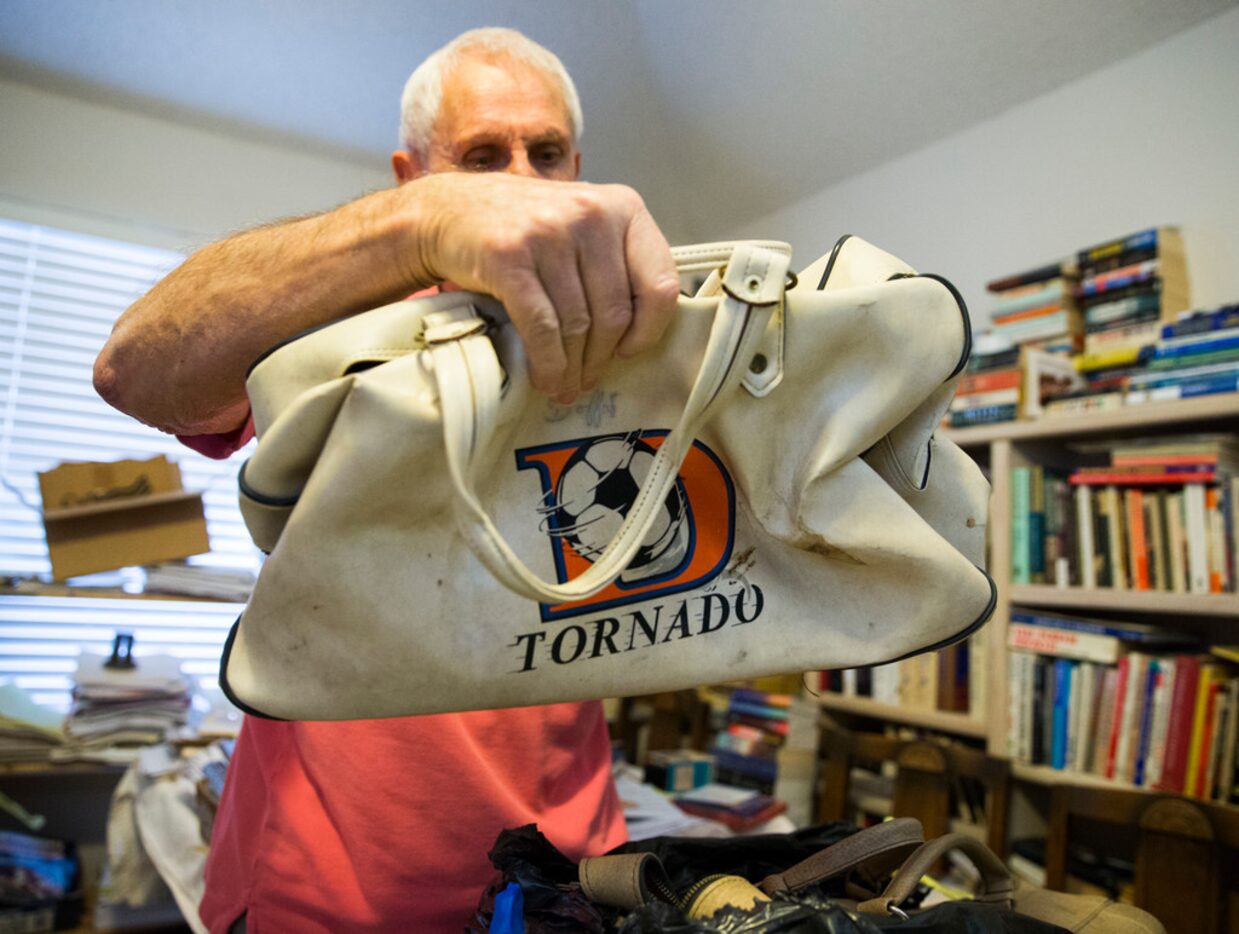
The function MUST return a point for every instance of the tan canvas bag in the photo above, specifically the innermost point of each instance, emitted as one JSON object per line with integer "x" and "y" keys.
{"x": 763, "y": 493}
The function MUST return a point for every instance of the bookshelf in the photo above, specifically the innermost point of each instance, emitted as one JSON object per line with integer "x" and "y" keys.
{"x": 1046, "y": 441}
{"x": 945, "y": 721}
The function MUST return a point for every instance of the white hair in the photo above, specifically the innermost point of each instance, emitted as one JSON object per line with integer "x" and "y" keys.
{"x": 423, "y": 92}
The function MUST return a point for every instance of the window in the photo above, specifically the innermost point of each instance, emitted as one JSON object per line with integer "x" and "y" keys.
{"x": 60, "y": 293}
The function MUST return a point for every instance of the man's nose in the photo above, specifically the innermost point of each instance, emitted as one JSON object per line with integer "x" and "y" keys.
{"x": 519, "y": 164}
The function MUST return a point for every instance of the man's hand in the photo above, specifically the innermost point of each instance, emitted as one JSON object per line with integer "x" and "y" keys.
{"x": 582, "y": 269}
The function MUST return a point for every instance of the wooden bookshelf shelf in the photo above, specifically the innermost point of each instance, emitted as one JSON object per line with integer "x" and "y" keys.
{"x": 1122, "y": 601}
{"x": 1131, "y": 419}
{"x": 961, "y": 724}
{"x": 1045, "y": 775}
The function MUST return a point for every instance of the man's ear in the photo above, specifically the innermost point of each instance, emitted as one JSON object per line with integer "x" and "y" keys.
{"x": 406, "y": 166}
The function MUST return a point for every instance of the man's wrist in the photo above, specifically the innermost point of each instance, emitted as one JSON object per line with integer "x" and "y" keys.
{"x": 410, "y": 224}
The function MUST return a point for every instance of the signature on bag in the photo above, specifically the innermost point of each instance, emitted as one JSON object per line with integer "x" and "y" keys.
{"x": 595, "y": 409}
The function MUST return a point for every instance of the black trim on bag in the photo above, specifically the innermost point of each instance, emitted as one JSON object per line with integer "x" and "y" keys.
{"x": 830, "y": 264}
{"x": 261, "y": 498}
{"x": 963, "y": 310}
{"x": 227, "y": 689}
{"x": 958, "y": 637}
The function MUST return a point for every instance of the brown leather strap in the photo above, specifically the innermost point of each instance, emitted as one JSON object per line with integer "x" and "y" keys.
{"x": 625, "y": 880}
{"x": 996, "y": 884}
{"x": 878, "y": 850}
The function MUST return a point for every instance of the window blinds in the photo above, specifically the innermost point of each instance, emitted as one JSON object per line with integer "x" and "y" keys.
{"x": 60, "y": 293}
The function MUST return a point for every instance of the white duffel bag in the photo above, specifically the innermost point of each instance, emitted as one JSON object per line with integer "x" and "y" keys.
{"x": 761, "y": 494}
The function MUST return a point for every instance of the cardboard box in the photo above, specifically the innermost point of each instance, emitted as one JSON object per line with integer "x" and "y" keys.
{"x": 102, "y": 516}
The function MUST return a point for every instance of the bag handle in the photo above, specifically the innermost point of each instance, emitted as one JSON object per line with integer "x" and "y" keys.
{"x": 877, "y": 850}
{"x": 469, "y": 379}
{"x": 996, "y": 884}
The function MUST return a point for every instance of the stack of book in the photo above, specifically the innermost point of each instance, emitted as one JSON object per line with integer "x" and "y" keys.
{"x": 939, "y": 680}
{"x": 1161, "y": 515}
{"x": 989, "y": 390}
{"x": 1125, "y": 702}
{"x": 118, "y": 710}
{"x": 1037, "y": 308}
{"x": 1129, "y": 287}
{"x": 1198, "y": 355}
{"x": 745, "y": 749}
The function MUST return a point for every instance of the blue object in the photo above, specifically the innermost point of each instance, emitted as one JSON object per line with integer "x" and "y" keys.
{"x": 509, "y": 916}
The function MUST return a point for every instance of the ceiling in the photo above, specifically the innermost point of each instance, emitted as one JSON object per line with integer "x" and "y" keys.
{"x": 716, "y": 110}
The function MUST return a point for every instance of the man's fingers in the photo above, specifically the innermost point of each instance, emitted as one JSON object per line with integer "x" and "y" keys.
{"x": 533, "y": 315}
{"x": 557, "y": 268}
{"x": 603, "y": 270}
{"x": 654, "y": 282}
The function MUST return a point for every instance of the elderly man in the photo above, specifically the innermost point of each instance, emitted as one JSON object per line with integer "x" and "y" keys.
{"x": 385, "y": 825}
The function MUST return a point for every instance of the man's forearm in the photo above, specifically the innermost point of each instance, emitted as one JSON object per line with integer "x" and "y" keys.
{"x": 177, "y": 358}
{"x": 583, "y": 271}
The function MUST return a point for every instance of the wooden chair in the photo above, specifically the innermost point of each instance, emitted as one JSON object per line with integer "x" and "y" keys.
{"x": 1187, "y": 852}
{"x": 924, "y": 782}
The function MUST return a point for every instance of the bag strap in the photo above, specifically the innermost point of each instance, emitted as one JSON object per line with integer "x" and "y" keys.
{"x": 996, "y": 884}
{"x": 877, "y": 850}
{"x": 469, "y": 379}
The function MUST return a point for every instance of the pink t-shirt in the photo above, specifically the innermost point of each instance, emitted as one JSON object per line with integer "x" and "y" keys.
{"x": 384, "y": 825}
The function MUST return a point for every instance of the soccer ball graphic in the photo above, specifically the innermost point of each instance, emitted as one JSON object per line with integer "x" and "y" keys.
{"x": 597, "y": 488}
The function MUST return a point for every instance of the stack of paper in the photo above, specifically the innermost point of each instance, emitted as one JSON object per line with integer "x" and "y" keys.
{"x": 28, "y": 731}
{"x": 197, "y": 581}
{"x": 116, "y": 711}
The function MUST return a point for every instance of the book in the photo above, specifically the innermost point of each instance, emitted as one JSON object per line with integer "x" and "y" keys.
{"x": 1051, "y": 323}
{"x": 1129, "y": 716}
{"x": 1118, "y": 278}
{"x": 1085, "y": 547}
{"x": 989, "y": 380}
{"x": 1062, "y": 696}
{"x": 1050, "y": 292}
{"x": 984, "y": 362}
{"x": 1108, "y": 359}
{"x": 1107, "y": 700}
{"x": 1200, "y": 322}
{"x": 1138, "y": 567}
{"x": 1163, "y": 694}
{"x": 1111, "y": 503}
{"x": 1084, "y": 685}
{"x": 1141, "y": 334}
{"x": 1145, "y": 722}
{"x": 1142, "y": 240}
{"x": 1122, "y": 690}
{"x": 1197, "y": 538}
{"x": 1200, "y": 714}
{"x": 983, "y": 415}
{"x": 995, "y": 397}
{"x": 1123, "y": 310}
{"x": 1021, "y": 502}
{"x": 1040, "y": 274}
{"x": 1179, "y": 731}
{"x": 1221, "y": 723}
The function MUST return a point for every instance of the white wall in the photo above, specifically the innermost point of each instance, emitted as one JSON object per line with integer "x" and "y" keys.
{"x": 1151, "y": 140}
{"x": 115, "y": 172}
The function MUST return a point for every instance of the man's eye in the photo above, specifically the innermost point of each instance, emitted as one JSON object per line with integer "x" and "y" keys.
{"x": 548, "y": 155}
{"x": 480, "y": 160}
